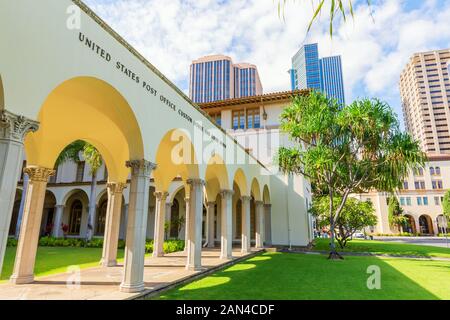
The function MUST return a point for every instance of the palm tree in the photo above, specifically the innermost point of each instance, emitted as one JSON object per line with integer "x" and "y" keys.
{"x": 93, "y": 157}
{"x": 337, "y": 7}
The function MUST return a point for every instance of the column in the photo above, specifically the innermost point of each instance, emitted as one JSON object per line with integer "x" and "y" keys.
{"x": 160, "y": 219}
{"x": 59, "y": 211}
{"x": 268, "y": 224}
{"x": 31, "y": 224}
{"x": 226, "y": 234}
{"x": 245, "y": 232}
{"x": 13, "y": 129}
{"x": 186, "y": 224}
{"x": 210, "y": 212}
{"x": 194, "y": 252}
{"x": 259, "y": 238}
{"x": 112, "y": 225}
{"x": 133, "y": 277}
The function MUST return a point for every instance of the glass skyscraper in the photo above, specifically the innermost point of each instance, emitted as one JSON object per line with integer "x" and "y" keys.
{"x": 310, "y": 72}
{"x": 214, "y": 78}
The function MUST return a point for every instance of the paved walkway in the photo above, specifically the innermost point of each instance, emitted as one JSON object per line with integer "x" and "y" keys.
{"x": 426, "y": 241}
{"x": 100, "y": 283}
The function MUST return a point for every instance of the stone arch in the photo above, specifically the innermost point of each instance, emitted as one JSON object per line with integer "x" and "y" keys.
{"x": 241, "y": 181}
{"x": 216, "y": 177}
{"x": 72, "y": 192}
{"x": 266, "y": 194}
{"x": 175, "y": 157}
{"x": 256, "y": 190}
{"x": 89, "y": 109}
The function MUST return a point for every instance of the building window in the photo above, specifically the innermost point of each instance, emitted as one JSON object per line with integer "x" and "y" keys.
{"x": 432, "y": 171}
{"x": 419, "y": 185}
{"x": 437, "y": 201}
{"x": 405, "y": 185}
{"x": 253, "y": 119}
{"x": 418, "y": 172}
{"x": 437, "y": 171}
{"x": 217, "y": 118}
{"x": 436, "y": 184}
{"x": 239, "y": 119}
{"x": 76, "y": 211}
{"x": 80, "y": 171}
{"x": 425, "y": 201}
{"x": 402, "y": 201}
{"x": 419, "y": 201}
{"x": 408, "y": 201}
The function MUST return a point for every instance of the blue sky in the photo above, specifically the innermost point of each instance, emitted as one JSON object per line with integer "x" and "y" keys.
{"x": 171, "y": 34}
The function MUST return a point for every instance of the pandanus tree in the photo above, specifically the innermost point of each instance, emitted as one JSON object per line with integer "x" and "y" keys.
{"x": 93, "y": 157}
{"x": 395, "y": 213}
{"x": 345, "y": 149}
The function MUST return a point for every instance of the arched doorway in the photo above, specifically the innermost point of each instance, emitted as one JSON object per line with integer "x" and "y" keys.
{"x": 426, "y": 225}
{"x": 15, "y": 213}
{"x": 75, "y": 216}
{"x": 48, "y": 214}
{"x": 409, "y": 225}
{"x": 252, "y": 219}
{"x": 100, "y": 220}
{"x": 238, "y": 214}
{"x": 175, "y": 219}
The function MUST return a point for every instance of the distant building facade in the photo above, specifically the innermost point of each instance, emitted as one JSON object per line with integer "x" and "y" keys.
{"x": 420, "y": 197}
{"x": 310, "y": 72}
{"x": 216, "y": 77}
{"x": 425, "y": 94}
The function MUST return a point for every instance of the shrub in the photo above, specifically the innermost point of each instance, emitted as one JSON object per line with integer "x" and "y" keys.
{"x": 11, "y": 242}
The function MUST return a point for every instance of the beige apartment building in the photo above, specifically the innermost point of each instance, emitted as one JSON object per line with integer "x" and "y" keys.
{"x": 420, "y": 197}
{"x": 425, "y": 94}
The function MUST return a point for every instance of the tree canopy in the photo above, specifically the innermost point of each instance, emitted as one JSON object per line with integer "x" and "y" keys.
{"x": 346, "y": 149}
{"x": 355, "y": 216}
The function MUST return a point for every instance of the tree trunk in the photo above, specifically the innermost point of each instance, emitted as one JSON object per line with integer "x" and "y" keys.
{"x": 334, "y": 255}
{"x": 92, "y": 208}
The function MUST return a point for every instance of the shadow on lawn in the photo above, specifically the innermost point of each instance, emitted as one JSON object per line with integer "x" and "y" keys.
{"x": 297, "y": 276}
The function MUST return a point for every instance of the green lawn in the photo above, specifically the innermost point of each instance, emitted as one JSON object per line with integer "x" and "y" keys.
{"x": 300, "y": 276}
{"x": 52, "y": 260}
{"x": 380, "y": 247}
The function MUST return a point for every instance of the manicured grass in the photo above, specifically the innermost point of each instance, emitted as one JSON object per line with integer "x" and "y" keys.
{"x": 52, "y": 260}
{"x": 380, "y": 247}
{"x": 300, "y": 276}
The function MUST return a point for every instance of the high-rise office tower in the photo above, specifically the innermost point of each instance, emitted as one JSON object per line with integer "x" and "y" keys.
{"x": 310, "y": 72}
{"x": 332, "y": 82}
{"x": 425, "y": 94}
{"x": 215, "y": 77}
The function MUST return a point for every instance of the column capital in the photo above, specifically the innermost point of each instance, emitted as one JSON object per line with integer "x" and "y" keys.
{"x": 60, "y": 206}
{"x": 226, "y": 193}
{"x": 211, "y": 203}
{"x": 141, "y": 167}
{"x": 195, "y": 182}
{"x": 161, "y": 195}
{"x": 246, "y": 198}
{"x": 259, "y": 203}
{"x": 186, "y": 199}
{"x": 15, "y": 127}
{"x": 40, "y": 174}
{"x": 267, "y": 205}
{"x": 116, "y": 187}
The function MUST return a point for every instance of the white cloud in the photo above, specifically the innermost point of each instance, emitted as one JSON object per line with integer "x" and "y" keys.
{"x": 173, "y": 33}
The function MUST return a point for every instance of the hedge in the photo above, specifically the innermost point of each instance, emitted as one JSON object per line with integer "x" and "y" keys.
{"x": 169, "y": 245}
